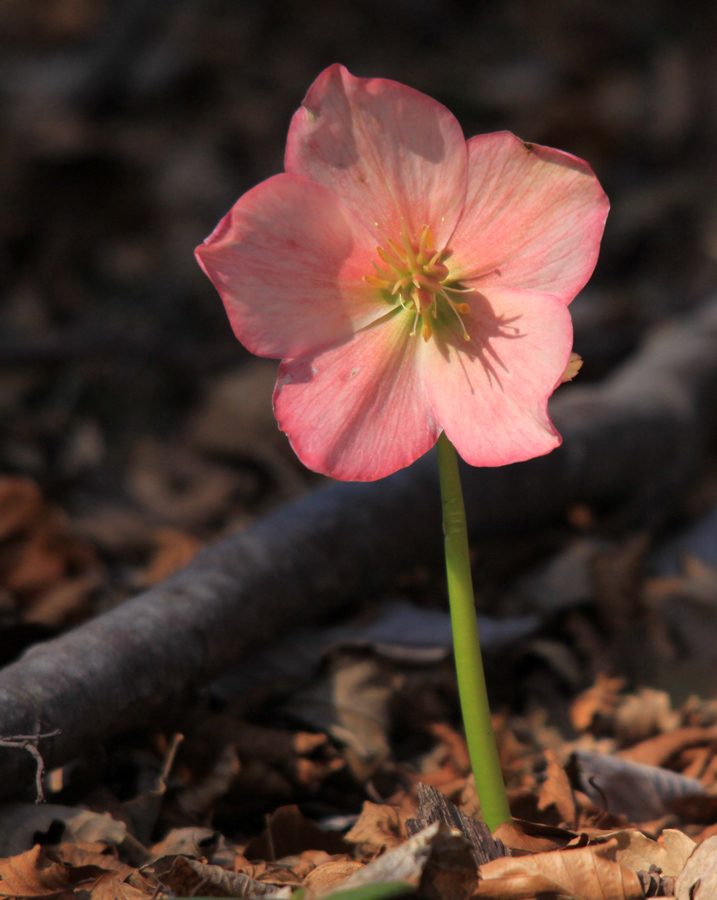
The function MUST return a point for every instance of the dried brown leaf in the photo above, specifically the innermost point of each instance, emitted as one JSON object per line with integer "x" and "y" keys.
{"x": 328, "y": 874}
{"x": 379, "y": 825}
{"x": 530, "y": 837}
{"x": 585, "y": 873}
{"x": 31, "y": 874}
{"x": 556, "y": 790}
{"x": 698, "y": 879}
{"x": 437, "y": 858}
{"x": 656, "y": 751}
{"x": 638, "y": 852}
{"x": 20, "y": 503}
{"x": 111, "y": 886}
{"x": 290, "y": 832}
{"x": 20, "y": 822}
{"x": 596, "y": 706}
{"x": 190, "y": 877}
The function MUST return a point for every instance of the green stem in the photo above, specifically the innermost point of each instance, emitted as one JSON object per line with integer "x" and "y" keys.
{"x": 466, "y": 646}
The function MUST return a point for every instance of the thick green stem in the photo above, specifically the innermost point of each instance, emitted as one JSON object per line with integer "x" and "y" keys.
{"x": 466, "y": 646}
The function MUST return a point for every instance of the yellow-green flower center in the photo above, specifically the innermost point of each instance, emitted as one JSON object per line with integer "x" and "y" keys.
{"x": 415, "y": 273}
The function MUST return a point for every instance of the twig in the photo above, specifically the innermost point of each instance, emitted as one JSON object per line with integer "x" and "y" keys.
{"x": 29, "y": 742}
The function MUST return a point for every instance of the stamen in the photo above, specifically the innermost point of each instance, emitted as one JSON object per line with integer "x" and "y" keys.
{"x": 409, "y": 249}
{"x": 377, "y": 282}
{"x": 415, "y": 273}
{"x": 455, "y": 309}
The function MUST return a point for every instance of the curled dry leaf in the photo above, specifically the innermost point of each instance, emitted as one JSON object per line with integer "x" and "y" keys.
{"x": 584, "y": 873}
{"x": 379, "y": 826}
{"x": 556, "y": 790}
{"x": 698, "y": 879}
{"x": 656, "y": 751}
{"x": 638, "y": 852}
{"x": 190, "y": 877}
{"x": 596, "y": 706}
{"x": 331, "y": 874}
{"x": 31, "y": 874}
{"x": 21, "y": 822}
{"x": 522, "y": 837}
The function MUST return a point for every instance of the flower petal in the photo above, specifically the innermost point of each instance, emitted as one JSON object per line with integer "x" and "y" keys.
{"x": 358, "y": 412}
{"x": 390, "y": 152}
{"x": 533, "y": 217}
{"x": 288, "y": 261}
{"x": 490, "y": 393}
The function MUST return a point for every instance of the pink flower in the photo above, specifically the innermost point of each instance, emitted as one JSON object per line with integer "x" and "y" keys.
{"x": 411, "y": 281}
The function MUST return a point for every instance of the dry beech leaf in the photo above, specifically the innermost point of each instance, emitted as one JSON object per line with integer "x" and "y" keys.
{"x": 638, "y": 852}
{"x": 20, "y": 503}
{"x": 656, "y": 751}
{"x": 596, "y": 706}
{"x": 556, "y": 790}
{"x": 189, "y": 877}
{"x": 529, "y": 837}
{"x": 35, "y": 874}
{"x": 331, "y": 873}
{"x": 19, "y": 822}
{"x": 437, "y": 858}
{"x": 379, "y": 825}
{"x": 698, "y": 879}
{"x": 31, "y": 874}
{"x": 288, "y": 833}
{"x": 110, "y": 886}
{"x": 584, "y": 873}
{"x": 174, "y": 549}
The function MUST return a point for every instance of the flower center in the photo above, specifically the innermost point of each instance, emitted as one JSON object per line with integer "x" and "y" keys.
{"x": 415, "y": 273}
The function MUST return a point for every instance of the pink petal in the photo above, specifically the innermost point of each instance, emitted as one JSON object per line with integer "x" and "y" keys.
{"x": 288, "y": 261}
{"x": 358, "y": 412}
{"x": 390, "y": 152}
{"x": 533, "y": 218}
{"x": 490, "y": 393}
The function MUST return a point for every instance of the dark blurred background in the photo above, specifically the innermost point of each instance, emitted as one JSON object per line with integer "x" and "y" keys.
{"x": 128, "y": 128}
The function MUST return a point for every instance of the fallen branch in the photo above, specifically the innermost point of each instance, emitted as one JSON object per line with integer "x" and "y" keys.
{"x": 631, "y": 443}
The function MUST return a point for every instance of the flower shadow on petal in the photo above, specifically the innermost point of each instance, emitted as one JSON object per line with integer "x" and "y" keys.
{"x": 487, "y": 331}
{"x": 333, "y": 138}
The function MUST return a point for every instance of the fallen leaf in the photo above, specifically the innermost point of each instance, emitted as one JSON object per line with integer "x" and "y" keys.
{"x": 329, "y": 873}
{"x": 437, "y": 858}
{"x": 698, "y": 879}
{"x": 656, "y": 751}
{"x": 31, "y": 874}
{"x": 638, "y": 852}
{"x": 289, "y": 832}
{"x": 641, "y": 715}
{"x": 584, "y": 873}
{"x": 174, "y": 549}
{"x": 111, "y": 886}
{"x": 189, "y": 877}
{"x": 530, "y": 837}
{"x": 379, "y": 825}
{"x": 20, "y": 503}
{"x": 595, "y": 708}
{"x": 20, "y": 822}
{"x": 556, "y": 790}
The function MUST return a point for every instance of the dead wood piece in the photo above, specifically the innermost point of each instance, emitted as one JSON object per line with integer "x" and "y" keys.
{"x": 630, "y": 443}
{"x": 436, "y": 807}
